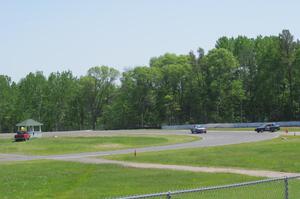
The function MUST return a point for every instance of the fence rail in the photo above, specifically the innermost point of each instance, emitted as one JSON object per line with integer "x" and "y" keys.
{"x": 280, "y": 187}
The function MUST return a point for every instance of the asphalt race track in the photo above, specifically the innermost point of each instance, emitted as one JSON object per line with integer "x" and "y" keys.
{"x": 213, "y": 138}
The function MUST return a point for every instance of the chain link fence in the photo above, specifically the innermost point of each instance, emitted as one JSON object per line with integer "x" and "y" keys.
{"x": 277, "y": 188}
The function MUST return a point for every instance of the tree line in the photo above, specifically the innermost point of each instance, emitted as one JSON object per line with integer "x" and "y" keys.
{"x": 241, "y": 80}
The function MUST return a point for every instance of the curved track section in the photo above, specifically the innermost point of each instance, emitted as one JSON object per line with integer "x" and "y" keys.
{"x": 210, "y": 139}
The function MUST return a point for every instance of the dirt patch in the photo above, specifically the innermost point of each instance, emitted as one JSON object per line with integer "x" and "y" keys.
{"x": 257, "y": 173}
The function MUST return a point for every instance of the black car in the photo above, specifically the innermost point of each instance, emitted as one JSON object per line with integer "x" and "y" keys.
{"x": 198, "y": 129}
{"x": 268, "y": 127}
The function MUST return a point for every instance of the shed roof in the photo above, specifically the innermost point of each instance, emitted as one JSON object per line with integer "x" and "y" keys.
{"x": 29, "y": 122}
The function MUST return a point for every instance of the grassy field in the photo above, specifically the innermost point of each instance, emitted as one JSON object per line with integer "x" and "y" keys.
{"x": 54, "y": 179}
{"x": 282, "y": 129}
{"x": 62, "y": 180}
{"x": 280, "y": 154}
{"x": 63, "y": 145}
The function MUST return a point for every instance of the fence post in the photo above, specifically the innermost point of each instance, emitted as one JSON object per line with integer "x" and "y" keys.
{"x": 286, "y": 188}
{"x": 169, "y": 195}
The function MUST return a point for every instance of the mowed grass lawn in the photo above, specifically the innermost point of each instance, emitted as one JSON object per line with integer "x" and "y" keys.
{"x": 280, "y": 154}
{"x": 55, "y": 179}
{"x": 63, "y": 145}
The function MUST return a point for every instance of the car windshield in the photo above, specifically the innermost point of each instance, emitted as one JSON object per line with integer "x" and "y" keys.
{"x": 199, "y": 126}
{"x": 269, "y": 124}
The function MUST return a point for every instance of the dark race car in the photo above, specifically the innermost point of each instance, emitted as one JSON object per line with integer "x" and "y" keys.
{"x": 268, "y": 127}
{"x": 198, "y": 129}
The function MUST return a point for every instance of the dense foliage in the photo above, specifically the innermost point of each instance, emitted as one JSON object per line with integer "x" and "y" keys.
{"x": 240, "y": 80}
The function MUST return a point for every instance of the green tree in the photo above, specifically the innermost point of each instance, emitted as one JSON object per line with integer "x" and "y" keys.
{"x": 61, "y": 90}
{"x": 287, "y": 52}
{"x": 31, "y": 100}
{"x": 296, "y": 87}
{"x": 175, "y": 70}
{"x": 220, "y": 75}
{"x": 196, "y": 85}
{"x": 7, "y": 104}
{"x": 226, "y": 43}
{"x": 269, "y": 93}
{"x": 139, "y": 99}
{"x": 100, "y": 82}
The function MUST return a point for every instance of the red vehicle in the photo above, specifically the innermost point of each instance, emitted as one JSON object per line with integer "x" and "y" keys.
{"x": 22, "y": 136}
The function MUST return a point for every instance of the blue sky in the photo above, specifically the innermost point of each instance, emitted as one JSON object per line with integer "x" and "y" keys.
{"x": 57, "y": 35}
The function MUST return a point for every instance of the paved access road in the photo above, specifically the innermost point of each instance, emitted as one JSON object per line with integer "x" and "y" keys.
{"x": 215, "y": 138}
